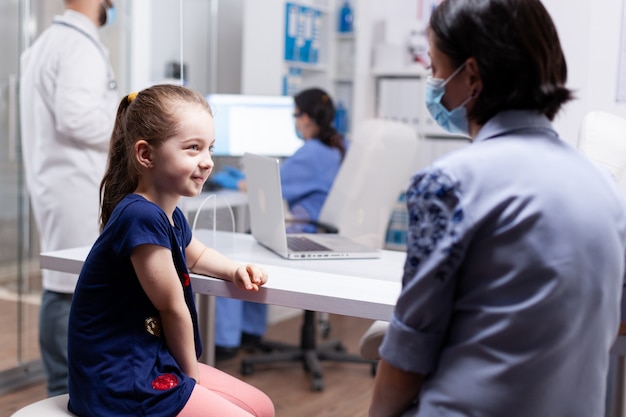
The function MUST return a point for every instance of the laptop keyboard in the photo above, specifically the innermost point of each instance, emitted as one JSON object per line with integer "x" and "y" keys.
{"x": 302, "y": 244}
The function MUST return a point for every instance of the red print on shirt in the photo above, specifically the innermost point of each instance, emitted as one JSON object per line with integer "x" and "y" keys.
{"x": 164, "y": 382}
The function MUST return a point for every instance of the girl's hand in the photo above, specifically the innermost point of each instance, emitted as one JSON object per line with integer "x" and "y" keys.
{"x": 249, "y": 277}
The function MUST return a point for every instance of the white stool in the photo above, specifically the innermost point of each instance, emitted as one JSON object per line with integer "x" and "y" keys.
{"x": 372, "y": 339}
{"x": 50, "y": 407}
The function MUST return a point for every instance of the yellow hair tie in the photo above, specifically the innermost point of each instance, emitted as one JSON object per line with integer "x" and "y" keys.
{"x": 131, "y": 97}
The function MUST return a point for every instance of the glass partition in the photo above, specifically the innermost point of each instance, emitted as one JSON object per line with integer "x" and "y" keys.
{"x": 147, "y": 44}
{"x": 19, "y": 273}
{"x": 21, "y": 21}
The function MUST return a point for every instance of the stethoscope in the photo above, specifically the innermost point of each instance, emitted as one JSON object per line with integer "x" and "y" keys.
{"x": 111, "y": 81}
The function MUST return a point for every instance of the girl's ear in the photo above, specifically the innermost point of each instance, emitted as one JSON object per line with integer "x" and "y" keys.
{"x": 143, "y": 153}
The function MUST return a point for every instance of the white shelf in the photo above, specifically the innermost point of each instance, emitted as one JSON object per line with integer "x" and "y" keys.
{"x": 416, "y": 71}
{"x": 344, "y": 78}
{"x": 306, "y": 66}
{"x": 348, "y": 36}
{"x": 322, "y": 5}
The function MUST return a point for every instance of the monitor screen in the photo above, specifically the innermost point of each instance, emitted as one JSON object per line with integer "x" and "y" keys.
{"x": 257, "y": 124}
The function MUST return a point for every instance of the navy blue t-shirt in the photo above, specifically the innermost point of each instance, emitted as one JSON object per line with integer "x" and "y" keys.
{"x": 119, "y": 363}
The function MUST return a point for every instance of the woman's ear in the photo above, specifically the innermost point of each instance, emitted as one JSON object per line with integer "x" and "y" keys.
{"x": 473, "y": 78}
{"x": 143, "y": 153}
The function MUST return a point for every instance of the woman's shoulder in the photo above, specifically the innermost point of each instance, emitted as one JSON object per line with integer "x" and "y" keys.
{"x": 312, "y": 154}
{"x": 314, "y": 148}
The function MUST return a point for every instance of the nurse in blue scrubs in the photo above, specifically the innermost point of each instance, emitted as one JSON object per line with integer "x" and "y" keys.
{"x": 306, "y": 178}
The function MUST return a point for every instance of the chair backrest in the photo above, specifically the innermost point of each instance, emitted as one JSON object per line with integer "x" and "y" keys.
{"x": 602, "y": 138}
{"x": 376, "y": 169}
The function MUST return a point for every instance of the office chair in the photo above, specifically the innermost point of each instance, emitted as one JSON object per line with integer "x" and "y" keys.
{"x": 376, "y": 168}
{"x": 602, "y": 138}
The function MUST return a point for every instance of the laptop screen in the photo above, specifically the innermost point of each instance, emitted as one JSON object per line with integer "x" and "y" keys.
{"x": 262, "y": 125}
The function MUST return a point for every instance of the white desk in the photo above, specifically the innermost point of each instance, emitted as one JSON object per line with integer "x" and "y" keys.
{"x": 366, "y": 288}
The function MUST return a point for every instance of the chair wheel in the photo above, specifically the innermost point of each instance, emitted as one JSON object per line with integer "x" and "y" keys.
{"x": 340, "y": 348}
{"x": 325, "y": 328}
{"x": 317, "y": 384}
{"x": 246, "y": 368}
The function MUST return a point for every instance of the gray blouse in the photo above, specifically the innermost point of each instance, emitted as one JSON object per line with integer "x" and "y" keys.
{"x": 513, "y": 277}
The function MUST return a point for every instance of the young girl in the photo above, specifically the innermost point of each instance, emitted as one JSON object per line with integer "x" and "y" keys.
{"x": 133, "y": 332}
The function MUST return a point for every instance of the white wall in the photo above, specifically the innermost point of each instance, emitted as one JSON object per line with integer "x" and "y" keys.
{"x": 228, "y": 16}
{"x": 604, "y": 46}
{"x": 573, "y": 25}
{"x": 140, "y": 45}
{"x": 211, "y": 42}
{"x": 263, "y": 47}
{"x": 590, "y": 35}
{"x": 589, "y": 32}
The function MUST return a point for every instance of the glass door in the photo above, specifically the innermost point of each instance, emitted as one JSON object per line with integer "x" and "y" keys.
{"x": 141, "y": 53}
{"x": 19, "y": 271}
{"x": 21, "y": 22}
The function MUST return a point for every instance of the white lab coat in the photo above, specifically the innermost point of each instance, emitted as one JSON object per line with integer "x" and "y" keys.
{"x": 67, "y": 105}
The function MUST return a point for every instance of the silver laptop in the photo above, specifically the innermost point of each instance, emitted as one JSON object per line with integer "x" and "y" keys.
{"x": 267, "y": 219}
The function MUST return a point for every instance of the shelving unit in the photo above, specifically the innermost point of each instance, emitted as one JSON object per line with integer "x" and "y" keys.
{"x": 344, "y": 57}
{"x": 400, "y": 96}
{"x": 265, "y": 66}
{"x": 335, "y": 70}
{"x": 342, "y": 78}
{"x": 395, "y": 91}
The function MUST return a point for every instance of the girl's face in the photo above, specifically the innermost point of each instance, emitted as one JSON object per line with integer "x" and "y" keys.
{"x": 183, "y": 162}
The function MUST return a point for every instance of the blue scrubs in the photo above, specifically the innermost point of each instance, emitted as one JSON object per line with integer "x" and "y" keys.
{"x": 306, "y": 178}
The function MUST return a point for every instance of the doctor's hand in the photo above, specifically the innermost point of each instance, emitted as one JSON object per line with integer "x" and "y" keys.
{"x": 228, "y": 177}
{"x": 249, "y": 277}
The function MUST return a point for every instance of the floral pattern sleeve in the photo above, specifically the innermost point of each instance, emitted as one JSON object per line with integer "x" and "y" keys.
{"x": 435, "y": 250}
{"x": 435, "y": 217}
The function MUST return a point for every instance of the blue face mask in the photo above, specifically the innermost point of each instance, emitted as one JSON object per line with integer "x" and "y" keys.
{"x": 453, "y": 121}
{"x": 298, "y": 134}
{"x": 111, "y": 14}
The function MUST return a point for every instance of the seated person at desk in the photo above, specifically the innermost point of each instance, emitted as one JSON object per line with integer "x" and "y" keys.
{"x": 134, "y": 341}
{"x": 510, "y": 298}
{"x": 306, "y": 178}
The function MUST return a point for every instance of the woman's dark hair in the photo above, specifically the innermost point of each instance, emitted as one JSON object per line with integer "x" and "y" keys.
{"x": 318, "y": 105}
{"x": 152, "y": 115}
{"x": 517, "y": 49}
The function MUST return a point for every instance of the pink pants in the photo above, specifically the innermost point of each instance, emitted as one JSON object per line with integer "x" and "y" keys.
{"x": 220, "y": 394}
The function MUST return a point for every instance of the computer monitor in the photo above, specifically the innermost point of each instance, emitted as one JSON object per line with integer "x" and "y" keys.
{"x": 253, "y": 123}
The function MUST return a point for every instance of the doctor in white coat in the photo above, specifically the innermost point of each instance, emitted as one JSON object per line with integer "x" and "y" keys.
{"x": 68, "y": 101}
